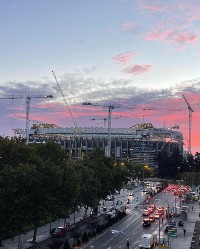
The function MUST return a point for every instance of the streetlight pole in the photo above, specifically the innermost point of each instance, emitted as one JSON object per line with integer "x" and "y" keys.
{"x": 175, "y": 210}
{"x": 159, "y": 231}
{"x": 168, "y": 219}
{"x": 143, "y": 173}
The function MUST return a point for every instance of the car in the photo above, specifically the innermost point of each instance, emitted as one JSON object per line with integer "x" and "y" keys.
{"x": 60, "y": 232}
{"x": 153, "y": 206}
{"x": 131, "y": 194}
{"x": 145, "y": 212}
{"x": 151, "y": 217}
{"x": 157, "y": 215}
{"x": 161, "y": 210}
{"x": 110, "y": 198}
{"x": 117, "y": 192}
{"x": 150, "y": 209}
{"x": 146, "y": 223}
{"x": 144, "y": 190}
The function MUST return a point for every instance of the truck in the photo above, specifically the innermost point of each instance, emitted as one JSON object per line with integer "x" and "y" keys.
{"x": 147, "y": 241}
{"x": 176, "y": 211}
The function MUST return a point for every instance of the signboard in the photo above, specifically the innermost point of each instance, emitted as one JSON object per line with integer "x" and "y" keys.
{"x": 163, "y": 247}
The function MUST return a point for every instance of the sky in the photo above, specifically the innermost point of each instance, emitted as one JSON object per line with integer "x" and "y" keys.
{"x": 139, "y": 53}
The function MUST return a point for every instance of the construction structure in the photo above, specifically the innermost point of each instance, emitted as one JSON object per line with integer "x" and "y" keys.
{"x": 139, "y": 143}
{"x": 190, "y": 124}
{"x": 28, "y": 99}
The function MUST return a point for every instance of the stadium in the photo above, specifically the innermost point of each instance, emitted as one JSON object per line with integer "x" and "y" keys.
{"x": 139, "y": 143}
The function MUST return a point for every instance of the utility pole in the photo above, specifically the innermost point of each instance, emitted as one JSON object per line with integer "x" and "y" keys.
{"x": 190, "y": 123}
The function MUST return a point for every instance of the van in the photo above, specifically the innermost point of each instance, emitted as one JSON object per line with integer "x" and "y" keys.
{"x": 147, "y": 241}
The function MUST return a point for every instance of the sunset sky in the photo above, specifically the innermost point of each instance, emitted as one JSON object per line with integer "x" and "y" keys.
{"x": 130, "y": 52}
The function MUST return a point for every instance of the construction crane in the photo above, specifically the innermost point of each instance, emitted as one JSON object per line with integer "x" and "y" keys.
{"x": 157, "y": 108}
{"x": 104, "y": 119}
{"x": 76, "y": 128}
{"x": 190, "y": 123}
{"x": 65, "y": 101}
{"x": 28, "y": 99}
{"x": 110, "y": 108}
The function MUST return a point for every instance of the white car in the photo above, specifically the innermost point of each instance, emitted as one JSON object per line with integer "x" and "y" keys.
{"x": 145, "y": 212}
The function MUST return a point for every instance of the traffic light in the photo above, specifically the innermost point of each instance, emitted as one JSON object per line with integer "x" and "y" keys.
{"x": 137, "y": 199}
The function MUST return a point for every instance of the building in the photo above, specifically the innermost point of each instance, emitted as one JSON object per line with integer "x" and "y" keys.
{"x": 139, "y": 143}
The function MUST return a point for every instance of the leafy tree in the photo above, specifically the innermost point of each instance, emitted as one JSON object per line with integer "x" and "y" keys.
{"x": 168, "y": 166}
{"x": 90, "y": 185}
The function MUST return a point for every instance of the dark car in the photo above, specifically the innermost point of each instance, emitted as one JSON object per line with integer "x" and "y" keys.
{"x": 60, "y": 232}
{"x": 146, "y": 223}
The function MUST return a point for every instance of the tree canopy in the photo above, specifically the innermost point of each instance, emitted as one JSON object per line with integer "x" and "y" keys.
{"x": 40, "y": 183}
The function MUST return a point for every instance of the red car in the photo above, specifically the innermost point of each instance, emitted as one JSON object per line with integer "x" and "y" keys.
{"x": 60, "y": 232}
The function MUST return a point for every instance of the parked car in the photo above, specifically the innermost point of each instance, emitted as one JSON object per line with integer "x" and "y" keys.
{"x": 110, "y": 198}
{"x": 60, "y": 232}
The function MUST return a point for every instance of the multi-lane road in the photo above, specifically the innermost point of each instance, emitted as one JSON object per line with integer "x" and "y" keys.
{"x": 129, "y": 227}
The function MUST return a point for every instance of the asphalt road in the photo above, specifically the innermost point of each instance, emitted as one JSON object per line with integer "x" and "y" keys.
{"x": 129, "y": 227}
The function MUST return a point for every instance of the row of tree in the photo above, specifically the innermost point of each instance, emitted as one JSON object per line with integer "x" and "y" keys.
{"x": 178, "y": 166}
{"x": 39, "y": 184}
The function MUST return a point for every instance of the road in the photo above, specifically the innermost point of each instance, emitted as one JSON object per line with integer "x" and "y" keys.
{"x": 129, "y": 227}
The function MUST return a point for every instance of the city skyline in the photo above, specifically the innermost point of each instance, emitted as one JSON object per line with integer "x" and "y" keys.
{"x": 143, "y": 53}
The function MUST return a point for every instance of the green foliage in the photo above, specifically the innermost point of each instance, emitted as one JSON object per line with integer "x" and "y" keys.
{"x": 39, "y": 182}
{"x": 169, "y": 166}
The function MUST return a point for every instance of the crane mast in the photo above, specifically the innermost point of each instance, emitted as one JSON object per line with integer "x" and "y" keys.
{"x": 110, "y": 108}
{"x": 190, "y": 123}
{"x": 28, "y": 98}
{"x": 64, "y": 99}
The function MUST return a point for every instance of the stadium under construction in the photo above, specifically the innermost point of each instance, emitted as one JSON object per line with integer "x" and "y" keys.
{"x": 139, "y": 143}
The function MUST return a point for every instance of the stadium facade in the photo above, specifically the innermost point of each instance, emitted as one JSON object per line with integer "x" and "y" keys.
{"x": 140, "y": 143}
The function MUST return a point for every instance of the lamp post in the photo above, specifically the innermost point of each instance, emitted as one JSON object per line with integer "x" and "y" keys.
{"x": 168, "y": 218}
{"x": 143, "y": 168}
{"x": 178, "y": 170}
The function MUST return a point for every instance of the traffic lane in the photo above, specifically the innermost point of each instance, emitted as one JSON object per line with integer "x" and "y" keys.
{"x": 159, "y": 199}
{"x": 116, "y": 236}
{"x": 123, "y": 230}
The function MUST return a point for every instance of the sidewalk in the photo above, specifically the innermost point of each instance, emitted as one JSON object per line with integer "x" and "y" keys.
{"x": 182, "y": 242}
{"x": 43, "y": 232}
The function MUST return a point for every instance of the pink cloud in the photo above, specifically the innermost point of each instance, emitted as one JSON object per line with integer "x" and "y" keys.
{"x": 138, "y": 69}
{"x": 124, "y": 58}
{"x": 195, "y": 15}
{"x": 129, "y": 26}
{"x": 152, "y": 7}
{"x": 172, "y": 36}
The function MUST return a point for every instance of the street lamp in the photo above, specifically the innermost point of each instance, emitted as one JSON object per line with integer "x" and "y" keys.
{"x": 178, "y": 169}
{"x": 144, "y": 167}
